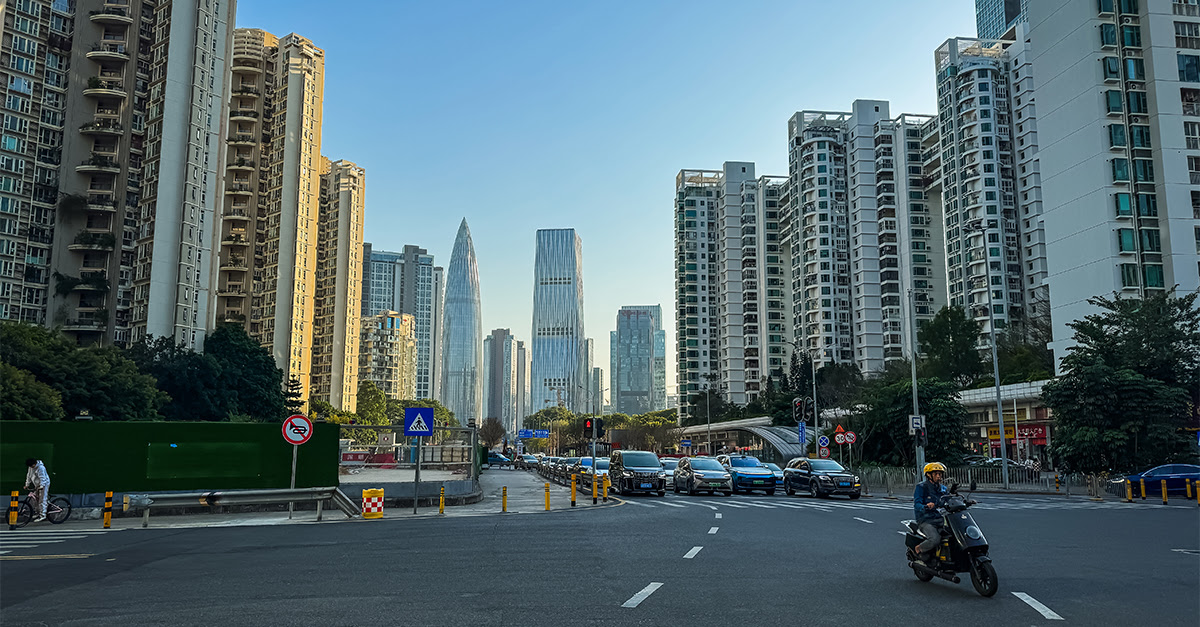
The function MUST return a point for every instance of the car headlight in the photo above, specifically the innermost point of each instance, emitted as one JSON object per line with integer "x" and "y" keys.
{"x": 856, "y": 479}
{"x": 662, "y": 474}
{"x": 824, "y": 478}
{"x": 726, "y": 477}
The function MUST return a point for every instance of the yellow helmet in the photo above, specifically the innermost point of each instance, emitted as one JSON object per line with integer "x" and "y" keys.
{"x": 934, "y": 467}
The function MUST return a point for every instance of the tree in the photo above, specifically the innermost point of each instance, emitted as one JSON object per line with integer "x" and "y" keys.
{"x": 371, "y": 405}
{"x": 23, "y": 397}
{"x": 190, "y": 379}
{"x": 948, "y": 342}
{"x": 883, "y": 415}
{"x": 293, "y": 396}
{"x": 1123, "y": 402}
{"x": 1023, "y": 350}
{"x": 491, "y": 432}
{"x": 838, "y": 385}
{"x": 442, "y": 417}
{"x": 248, "y": 373}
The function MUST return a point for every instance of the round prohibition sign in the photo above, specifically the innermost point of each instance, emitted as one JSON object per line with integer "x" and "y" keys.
{"x": 840, "y": 438}
{"x": 297, "y": 429}
{"x": 824, "y": 452}
{"x": 850, "y": 437}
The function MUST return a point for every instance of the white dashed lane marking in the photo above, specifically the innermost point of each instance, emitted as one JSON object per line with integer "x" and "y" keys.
{"x": 692, "y": 553}
{"x": 869, "y": 522}
{"x": 719, "y": 513}
{"x": 641, "y": 596}
{"x": 712, "y": 530}
{"x": 1037, "y": 605}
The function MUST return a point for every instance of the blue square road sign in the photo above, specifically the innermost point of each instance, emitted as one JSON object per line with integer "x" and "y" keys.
{"x": 418, "y": 421}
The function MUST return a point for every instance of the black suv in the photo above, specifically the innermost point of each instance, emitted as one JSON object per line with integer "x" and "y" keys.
{"x": 636, "y": 471}
{"x": 820, "y": 477}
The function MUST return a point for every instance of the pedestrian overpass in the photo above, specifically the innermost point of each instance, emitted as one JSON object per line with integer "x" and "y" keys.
{"x": 778, "y": 444}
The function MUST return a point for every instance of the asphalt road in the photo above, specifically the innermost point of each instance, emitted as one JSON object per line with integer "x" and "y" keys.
{"x": 742, "y": 560}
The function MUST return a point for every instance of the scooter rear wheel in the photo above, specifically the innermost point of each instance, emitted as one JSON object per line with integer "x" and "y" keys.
{"x": 983, "y": 577}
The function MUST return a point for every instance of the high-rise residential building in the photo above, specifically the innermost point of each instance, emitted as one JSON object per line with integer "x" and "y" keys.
{"x": 500, "y": 385}
{"x": 559, "y": 347}
{"x": 993, "y": 18}
{"x": 696, "y": 193}
{"x": 338, "y": 300}
{"x": 409, "y": 282}
{"x": 462, "y": 333}
{"x": 766, "y": 267}
{"x": 637, "y": 360}
{"x": 522, "y": 368}
{"x": 1120, "y": 150}
{"x": 183, "y": 171}
{"x": 983, "y": 161}
{"x": 388, "y": 353}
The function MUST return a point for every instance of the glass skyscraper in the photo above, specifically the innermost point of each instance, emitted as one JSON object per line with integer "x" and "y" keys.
{"x": 993, "y": 18}
{"x": 408, "y": 282}
{"x": 638, "y": 360}
{"x": 462, "y": 333}
{"x": 559, "y": 358}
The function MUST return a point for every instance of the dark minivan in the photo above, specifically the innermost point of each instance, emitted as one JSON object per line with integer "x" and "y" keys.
{"x": 636, "y": 471}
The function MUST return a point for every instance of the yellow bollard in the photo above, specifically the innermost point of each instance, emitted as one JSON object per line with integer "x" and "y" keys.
{"x": 107, "y": 510}
{"x": 1056, "y": 483}
{"x": 442, "y": 501}
{"x": 605, "y": 488}
{"x": 572, "y": 490}
{"x": 1198, "y": 492}
{"x": 504, "y": 499}
{"x": 1143, "y": 482}
{"x": 1189, "y": 488}
{"x": 1128, "y": 491}
{"x": 593, "y": 487}
{"x": 1164, "y": 491}
{"x": 547, "y": 497}
{"x": 125, "y": 503}
{"x": 12, "y": 510}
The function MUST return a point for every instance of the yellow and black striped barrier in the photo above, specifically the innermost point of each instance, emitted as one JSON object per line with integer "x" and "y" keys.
{"x": 1198, "y": 492}
{"x": 547, "y": 497}
{"x": 12, "y": 510}
{"x": 442, "y": 501}
{"x": 107, "y": 510}
{"x": 1142, "y": 481}
{"x": 1128, "y": 491}
{"x": 504, "y": 500}
{"x": 572, "y": 490}
{"x": 1164, "y": 491}
{"x": 605, "y": 488}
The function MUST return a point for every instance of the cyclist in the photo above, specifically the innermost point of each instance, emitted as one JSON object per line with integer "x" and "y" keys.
{"x": 40, "y": 480}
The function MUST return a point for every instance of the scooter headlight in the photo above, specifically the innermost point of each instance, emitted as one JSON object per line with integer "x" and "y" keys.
{"x": 974, "y": 533}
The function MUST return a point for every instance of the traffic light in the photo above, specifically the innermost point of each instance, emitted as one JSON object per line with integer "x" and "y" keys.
{"x": 599, "y": 428}
{"x": 797, "y": 408}
{"x": 587, "y": 427}
{"x": 922, "y": 438}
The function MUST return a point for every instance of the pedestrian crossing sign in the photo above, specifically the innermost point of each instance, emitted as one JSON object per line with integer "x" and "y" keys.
{"x": 418, "y": 421}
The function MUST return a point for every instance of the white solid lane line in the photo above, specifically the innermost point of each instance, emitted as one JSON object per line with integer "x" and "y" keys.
{"x": 712, "y": 507}
{"x": 712, "y": 530}
{"x": 692, "y": 553}
{"x": 752, "y": 504}
{"x": 1037, "y": 605}
{"x": 719, "y": 514}
{"x": 41, "y": 541}
{"x": 869, "y": 522}
{"x": 649, "y": 505}
{"x": 685, "y": 506}
{"x": 726, "y": 504}
{"x": 641, "y": 596}
{"x": 33, "y": 546}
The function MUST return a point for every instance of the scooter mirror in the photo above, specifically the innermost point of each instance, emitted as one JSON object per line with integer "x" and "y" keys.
{"x": 974, "y": 485}
{"x": 953, "y": 488}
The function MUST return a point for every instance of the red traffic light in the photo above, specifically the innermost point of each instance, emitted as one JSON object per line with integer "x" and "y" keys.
{"x": 587, "y": 424}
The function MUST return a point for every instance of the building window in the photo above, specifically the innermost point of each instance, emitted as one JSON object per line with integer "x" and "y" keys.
{"x": 1137, "y": 102}
{"x": 1128, "y": 7}
{"x": 1151, "y": 242}
{"x": 1112, "y": 67}
{"x": 1153, "y": 275}
{"x": 1191, "y": 132}
{"x": 1191, "y": 101}
{"x": 1187, "y": 35}
{"x": 1140, "y": 135}
{"x": 1189, "y": 67}
{"x": 1129, "y": 275}
{"x": 1143, "y": 170}
{"x": 1124, "y": 207}
{"x": 1126, "y": 242}
{"x": 1106, "y": 6}
{"x": 1120, "y": 170}
{"x": 1116, "y": 135}
{"x": 1108, "y": 35}
{"x": 1194, "y": 170}
{"x": 1131, "y": 36}
{"x": 1135, "y": 70}
{"x": 1112, "y": 99}
{"x": 1147, "y": 205}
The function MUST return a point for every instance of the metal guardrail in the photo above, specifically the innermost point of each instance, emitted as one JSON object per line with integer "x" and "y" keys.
{"x": 334, "y": 496}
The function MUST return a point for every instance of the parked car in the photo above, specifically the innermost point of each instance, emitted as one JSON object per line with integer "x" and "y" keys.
{"x": 1177, "y": 477}
{"x": 636, "y": 471}
{"x": 669, "y": 464}
{"x": 778, "y": 473}
{"x": 747, "y": 473}
{"x": 820, "y": 477}
{"x": 564, "y": 468}
{"x": 496, "y": 459}
{"x": 600, "y": 469}
{"x": 696, "y": 474}
{"x": 527, "y": 461}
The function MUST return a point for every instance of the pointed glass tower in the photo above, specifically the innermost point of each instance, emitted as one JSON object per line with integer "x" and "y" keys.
{"x": 462, "y": 333}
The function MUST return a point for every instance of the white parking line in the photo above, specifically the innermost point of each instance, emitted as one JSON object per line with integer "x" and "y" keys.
{"x": 641, "y": 596}
{"x": 1037, "y": 605}
{"x": 719, "y": 513}
{"x": 713, "y": 530}
{"x": 869, "y": 522}
{"x": 692, "y": 553}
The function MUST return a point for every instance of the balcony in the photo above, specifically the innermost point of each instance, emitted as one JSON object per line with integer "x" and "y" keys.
{"x": 112, "y": 15}
{"x": 89, "y": 240}
{"x": 108, "y": 52}
{"x": 236, "y": 215}
{"x": 242, "y": 139}
{"x": 102, "y": 126}
{"x": 100, "y": 88}
{"x": 241, "y": 66}
{"x": 242, "y": 164}
{"x": 236, "y": 263}
{"x": 245, "y": 91}
{"x": 243, "y": 115}
{"x": 101, "y": 203}
{"x": 239, "y": 189}
{"x": 235, "y": 290}
{"x": 99, "y": 164}
{"x": 86, "y": 325}
{"x": 85, "y": 282}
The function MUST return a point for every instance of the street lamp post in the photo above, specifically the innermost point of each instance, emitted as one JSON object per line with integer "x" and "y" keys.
{"x": 995, "y": 361}
{"x": 916, "y": 408}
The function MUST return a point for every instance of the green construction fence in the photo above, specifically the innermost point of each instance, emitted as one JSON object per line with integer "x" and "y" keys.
{"x": 90, "y": 457}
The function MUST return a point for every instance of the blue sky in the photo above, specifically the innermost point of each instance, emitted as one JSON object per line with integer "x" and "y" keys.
{"x": 528, "y": 115}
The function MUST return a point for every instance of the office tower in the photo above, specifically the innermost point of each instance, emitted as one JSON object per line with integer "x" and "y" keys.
{"x": 1120, "y": 150}
{"x": 338, "y": 300}
{"x": 272, "y": 195}
{"x": 598, "y": 389}
{"x": 985, "y": 166}
{"x": 408, "y": 282}
{"x": 462, "y": 333}
{"x": 632, "y": 361}
{"x": 178, "y": 221}
{"x": 388, "y": 353}
{"x": 559, "y": 347}
{"x": 500, "y": 395}
{"x": 993, "y": 18}
{"x": 522, "y": 368}
{"x": 435, "y": 333}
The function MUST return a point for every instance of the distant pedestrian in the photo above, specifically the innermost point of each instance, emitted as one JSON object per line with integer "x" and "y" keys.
{"x": 39, "y": 479}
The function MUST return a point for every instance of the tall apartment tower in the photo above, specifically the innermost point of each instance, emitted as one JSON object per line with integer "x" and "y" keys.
{"x": 818, "y": 237}
{"x": 522, "y": 368}
{"x": 338, "y": 286}
{"x": 500, "y": 390}
{"x": 696, "y": 194}
{"x": 1120, "y": 141}
{"x": 768, "y": 307}
{"x": 272, "y": 195}
{"x": 986, "y": 160}
{"x": 183, "y": 171}
{"x": 388, "y": 354}
{"x": 559, "y": 346}
{"x": 462, "y": 333}
{"x": 408, "y": 282}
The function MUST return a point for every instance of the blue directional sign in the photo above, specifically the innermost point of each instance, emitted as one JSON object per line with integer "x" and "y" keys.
{"x": 802, "y": 433}
{"x": 823, "y": 441}
{"x": 418, "y": 421}
{"x": 541, "y": 433}
{"x": 525, "y": 433}
{"x": 685, "y": 443}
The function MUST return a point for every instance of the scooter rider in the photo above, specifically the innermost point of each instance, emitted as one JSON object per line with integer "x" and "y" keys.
{"x": 926, "y": 499}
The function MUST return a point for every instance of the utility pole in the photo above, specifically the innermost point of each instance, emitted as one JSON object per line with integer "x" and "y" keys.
{"x": 916, "y": 408}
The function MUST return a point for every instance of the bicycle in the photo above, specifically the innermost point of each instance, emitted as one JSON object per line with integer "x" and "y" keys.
{"x": 58, "y": 509}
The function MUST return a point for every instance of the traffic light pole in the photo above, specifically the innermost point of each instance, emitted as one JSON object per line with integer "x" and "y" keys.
{"x": 916, "y": 410}
{"x": 595, "y": 470}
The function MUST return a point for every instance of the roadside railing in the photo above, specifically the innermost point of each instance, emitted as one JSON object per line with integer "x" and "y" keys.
{"x": 320, "y": 496}
{"x": 892, "y": 481}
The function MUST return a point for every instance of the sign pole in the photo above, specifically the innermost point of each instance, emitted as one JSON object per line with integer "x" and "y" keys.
{"x": 292, "y": 485}
{"x": 417, "y": 482}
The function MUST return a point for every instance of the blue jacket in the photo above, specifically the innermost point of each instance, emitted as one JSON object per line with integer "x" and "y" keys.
{"x": 928, "y": 492}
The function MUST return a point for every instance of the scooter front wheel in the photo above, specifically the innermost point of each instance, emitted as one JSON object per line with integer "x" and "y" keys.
{"x": 983, "y": 577}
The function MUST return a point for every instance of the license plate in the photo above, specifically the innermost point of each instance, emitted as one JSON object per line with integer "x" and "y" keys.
{"x": 647, "y": 485}
{"x": 758, "y": 482}
{"x": 845, "y": 484}
{"x": 714, "y": 484}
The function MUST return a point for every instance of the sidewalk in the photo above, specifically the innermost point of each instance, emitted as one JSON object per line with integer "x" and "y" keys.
{"x": 526, "y": 495}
